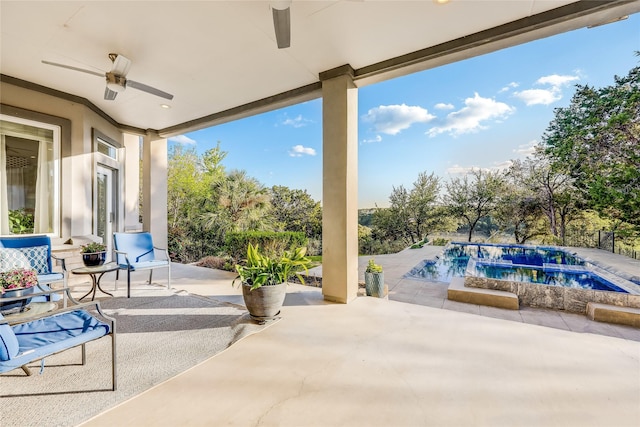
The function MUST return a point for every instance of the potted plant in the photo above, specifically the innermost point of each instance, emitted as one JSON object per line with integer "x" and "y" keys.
{"x": 264, "y": 280}
{"x": 16, "y": 282}
{"x": 93, "y": 254}
{"x": 374, "y": 279}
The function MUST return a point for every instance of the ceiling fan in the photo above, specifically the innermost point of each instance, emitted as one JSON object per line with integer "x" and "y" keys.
{"x": 117, "y": 78}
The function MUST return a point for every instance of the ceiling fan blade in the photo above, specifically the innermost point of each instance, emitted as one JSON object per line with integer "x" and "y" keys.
{"x": 282, "y": 26}
{"x": 121, "y": 65}
{"x": 83, "y": 70}
{"x": 146, "y": 88}
{"x": 109, "y": 94}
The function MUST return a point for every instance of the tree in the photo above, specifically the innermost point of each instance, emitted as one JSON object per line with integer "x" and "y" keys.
{"x": 389, "y": 223}
{"x": 520, "y": 208}
{"x": 471, "y": 199}
{"x": 243, "y": 205}
{"x": 184, "y": 185}
{"x": 597, "y": 137}
{"x": 411, "y": 215}
{"x": 190, "y": 179}
{"x": 551, "y": 187}
{"x": 295, "y": 210}
{"x": 423, "y": 208}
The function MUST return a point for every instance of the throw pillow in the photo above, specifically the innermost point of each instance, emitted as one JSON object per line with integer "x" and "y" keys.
{"x": 11, "y": 259}
{"x": 35, "y": 257}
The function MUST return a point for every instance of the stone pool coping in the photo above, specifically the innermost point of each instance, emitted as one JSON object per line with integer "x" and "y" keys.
{"x": 554, "y": 297}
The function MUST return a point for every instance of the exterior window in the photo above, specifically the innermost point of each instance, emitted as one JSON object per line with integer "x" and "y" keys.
{"x": 107, "y": 149}
{"x": 29, "y": 157}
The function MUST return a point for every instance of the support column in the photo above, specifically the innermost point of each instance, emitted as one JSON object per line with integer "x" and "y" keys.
{"x": 131, "y": 208}
{"x": 154, "y": 188}
{"x": 339, "y": 185}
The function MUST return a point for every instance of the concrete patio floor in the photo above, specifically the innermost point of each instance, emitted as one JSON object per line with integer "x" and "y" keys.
{"x": 387, "y": 362}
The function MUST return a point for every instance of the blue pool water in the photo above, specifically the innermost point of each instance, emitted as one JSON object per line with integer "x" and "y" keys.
{"x": 518, "y": 263}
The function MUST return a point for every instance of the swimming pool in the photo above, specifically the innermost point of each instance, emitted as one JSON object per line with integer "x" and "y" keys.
{"x": 515, "y": 263}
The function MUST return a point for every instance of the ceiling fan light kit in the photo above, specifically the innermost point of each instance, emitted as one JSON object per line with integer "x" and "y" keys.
{"x": 115, "y": 83}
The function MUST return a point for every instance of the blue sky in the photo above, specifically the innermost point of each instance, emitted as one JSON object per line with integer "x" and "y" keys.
{"x": 478, "y": 113}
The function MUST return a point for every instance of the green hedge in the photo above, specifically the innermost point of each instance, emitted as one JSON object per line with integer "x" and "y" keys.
{"x": 271, "y": 243}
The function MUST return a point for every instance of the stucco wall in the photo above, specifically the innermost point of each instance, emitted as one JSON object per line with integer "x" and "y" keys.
{"x": 77, "y": 163}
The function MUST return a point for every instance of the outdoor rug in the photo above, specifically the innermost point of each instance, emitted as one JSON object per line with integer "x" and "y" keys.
{"x": 158, "y": 337}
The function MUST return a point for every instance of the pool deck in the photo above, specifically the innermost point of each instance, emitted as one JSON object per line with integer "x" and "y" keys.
{"x": 434, "y": 294}
{"x": 375, "y": 362}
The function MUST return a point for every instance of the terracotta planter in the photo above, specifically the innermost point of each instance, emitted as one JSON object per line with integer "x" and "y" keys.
{"x": 265, "y": 302}
{"x": 15, "y": 306}
{"x": 94, "y": 259}
{"x": 374, "y": 284}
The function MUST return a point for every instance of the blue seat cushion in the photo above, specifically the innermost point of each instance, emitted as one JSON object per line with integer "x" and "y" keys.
{"x": 50, "y": 335}
{"x": 146, "y": 264}
{"x": 50, "y": 278}
{"x": 44, "y": 288}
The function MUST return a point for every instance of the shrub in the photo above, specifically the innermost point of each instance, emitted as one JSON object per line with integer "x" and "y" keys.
{"x": 440, "y": 241}
{"x": 271, "y": 243}
{"x": 217, "y": 262}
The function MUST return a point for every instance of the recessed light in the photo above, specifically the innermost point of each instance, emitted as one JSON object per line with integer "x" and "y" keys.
{"x": 441, "y": 1}
{"x": 165, "y": 106}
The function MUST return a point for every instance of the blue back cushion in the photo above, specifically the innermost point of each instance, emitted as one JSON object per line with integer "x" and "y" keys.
{"x": 138, "y": 246}
{"x": 9, "y": 346}
{"x": 37, "y": 249}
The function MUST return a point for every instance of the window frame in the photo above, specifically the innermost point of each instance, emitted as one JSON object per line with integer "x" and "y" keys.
{"x": 60, "y": 128}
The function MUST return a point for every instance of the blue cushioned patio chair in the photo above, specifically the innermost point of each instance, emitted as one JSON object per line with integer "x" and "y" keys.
{"x": 27, "y": 340}
{"x": 36, "y": 250}
{"x": 135, "y": 251}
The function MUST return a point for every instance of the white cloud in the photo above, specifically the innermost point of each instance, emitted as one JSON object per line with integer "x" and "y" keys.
{"x": 182, "y": 139}
{"x": 296, "y": 122}
{"x": 377, "y": 138}
{"x": 539, "y": 96}
{"x": 391, "y": 119}
{"x": 301, "y": 150}
{"x": 470, "y": 118}
{"x": 526, "y": 149}
{"x": 556, "y": 80}
{"x": 548, "y": 95}
{"x": 508, "y": 87}
{"x": 443, "y": 106}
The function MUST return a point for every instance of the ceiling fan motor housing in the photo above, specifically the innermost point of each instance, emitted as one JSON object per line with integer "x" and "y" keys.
{"x": 116, "y": 83}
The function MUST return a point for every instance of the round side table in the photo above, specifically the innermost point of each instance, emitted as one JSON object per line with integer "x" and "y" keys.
{"x": 96, "y": 274}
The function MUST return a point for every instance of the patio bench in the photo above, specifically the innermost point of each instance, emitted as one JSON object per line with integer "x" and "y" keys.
{"x": 27, "y": 340}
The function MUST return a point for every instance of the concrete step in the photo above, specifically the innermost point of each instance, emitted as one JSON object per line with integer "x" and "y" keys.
{"x": 501, "y": 299}
{"x": 614, "y": 314}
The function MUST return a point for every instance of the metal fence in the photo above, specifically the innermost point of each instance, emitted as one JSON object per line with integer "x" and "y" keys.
{"x": 602, "y": 239}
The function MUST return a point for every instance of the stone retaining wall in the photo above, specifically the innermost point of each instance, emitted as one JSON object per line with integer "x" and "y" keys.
{"x": 554, "y": 297}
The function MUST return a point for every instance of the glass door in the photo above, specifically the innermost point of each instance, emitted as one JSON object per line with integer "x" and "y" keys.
{"x": 104, "y": 213}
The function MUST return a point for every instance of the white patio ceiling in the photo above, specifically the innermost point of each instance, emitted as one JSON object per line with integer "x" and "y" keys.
{"x": 220, "y": 55}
